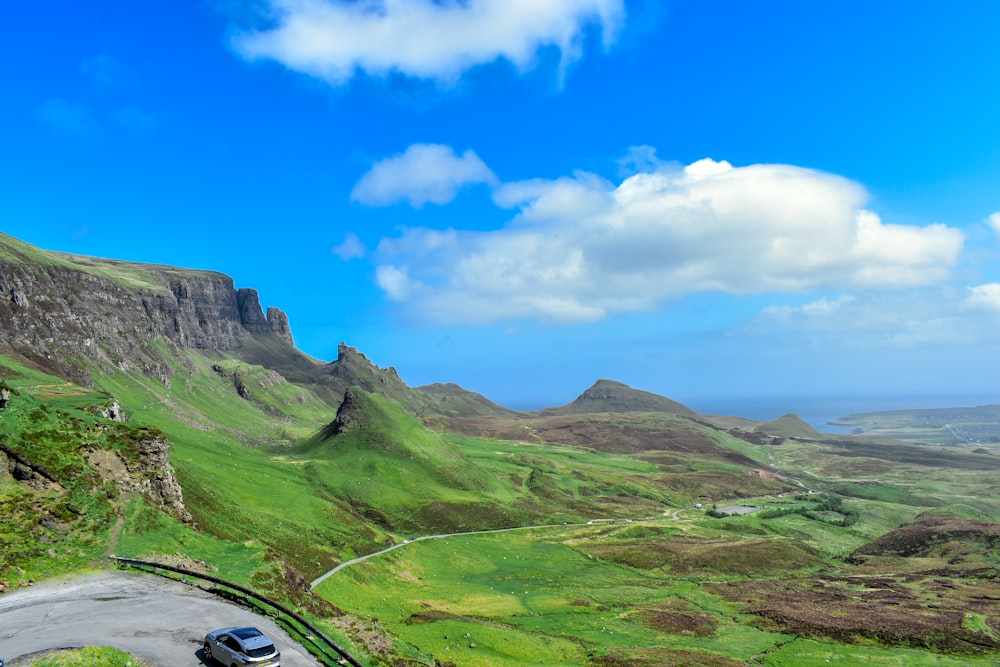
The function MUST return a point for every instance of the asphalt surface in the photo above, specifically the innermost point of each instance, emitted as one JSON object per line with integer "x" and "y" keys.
{"x": 160, "y": 621}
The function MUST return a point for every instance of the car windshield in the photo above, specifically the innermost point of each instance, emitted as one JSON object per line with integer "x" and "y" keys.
{"x": 260, "y": 652}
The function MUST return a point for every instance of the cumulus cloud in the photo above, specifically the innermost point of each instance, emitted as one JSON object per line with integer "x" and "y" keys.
{"x": 984, "y": 297}
{"x": 897, "y": 319}
{"x": 826, "y": 307}
{"x": 638, "y": 160}
{"x": 993, "y": 221}
{"x": 580, "y": 247}
{"x": 351, "y": 248}
{"x": 426, "y": 39}
{"x": 423, "y": 173}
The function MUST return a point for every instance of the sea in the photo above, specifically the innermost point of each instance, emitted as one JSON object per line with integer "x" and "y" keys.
{"x": 818, "y": 412}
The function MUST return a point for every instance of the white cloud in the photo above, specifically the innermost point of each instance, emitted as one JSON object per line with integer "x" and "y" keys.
{"x": 581, "y": 247}
{"x": 394, "y": 281}
{"x": 984, "y": 297}
{"x": 993, "y": 220}
{"x": 824, "y": 306}
{"x": 426, "y": 39}
{"x": 898, "y": 320}
{"x": 351, "y": 248}
{"x": 423, "y": 173}
{"x": 638, "y": 160}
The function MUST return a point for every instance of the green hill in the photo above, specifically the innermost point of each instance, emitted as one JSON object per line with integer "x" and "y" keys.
{"x": 789, "y": 426}
{"x": 612, "y": 396}
{"x": 455, "y": 401}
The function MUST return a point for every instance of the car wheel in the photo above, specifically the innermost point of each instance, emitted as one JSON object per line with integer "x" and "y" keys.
{"x": 208, "y": 653}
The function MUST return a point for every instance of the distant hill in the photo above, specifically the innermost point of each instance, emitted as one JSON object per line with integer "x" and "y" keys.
{"x": 611, "y": 396}
{"x": 946, "y": 426}
{"x": 455, "y": 401}
{"x": 789, "y": 426}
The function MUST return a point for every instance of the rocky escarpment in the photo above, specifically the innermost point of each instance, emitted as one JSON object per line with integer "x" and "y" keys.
{"x": 58, "y": 310}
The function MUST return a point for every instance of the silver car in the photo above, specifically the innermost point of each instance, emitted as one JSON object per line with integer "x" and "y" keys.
{"x": 237, "y": 647}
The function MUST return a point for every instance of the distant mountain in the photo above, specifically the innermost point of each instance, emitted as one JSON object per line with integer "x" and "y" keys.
{"x": 611, "y": 396}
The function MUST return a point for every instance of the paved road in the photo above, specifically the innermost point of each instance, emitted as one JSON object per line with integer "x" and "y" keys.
{"x": 354, "y": 561}
{"x": 319, "y": 580}
{"x": 158, "y": 620}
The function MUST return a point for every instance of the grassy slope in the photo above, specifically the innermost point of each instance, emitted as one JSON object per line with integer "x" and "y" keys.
{"x": 410, "y": 477}
{"x": 558, "y": 596}
{"x": 127, "y": 274}
{"x": 52, "y": 529}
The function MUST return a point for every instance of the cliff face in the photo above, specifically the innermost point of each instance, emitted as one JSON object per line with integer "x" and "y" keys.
{"x": 61, "y": 311}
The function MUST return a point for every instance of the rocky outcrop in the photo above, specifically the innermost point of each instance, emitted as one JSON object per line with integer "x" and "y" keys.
{"x": 347, "y": 417}
{"x": 277, "y": 322}
{"x": 148, "y": 473}
{"x": 252, "y": 316}
{"x": 112, "y": 411}
{"x": 756, "y": 437}
{"x": 354, "y": 368}
{"x": 64, "y": 309}
{"x": 24, "y": 471}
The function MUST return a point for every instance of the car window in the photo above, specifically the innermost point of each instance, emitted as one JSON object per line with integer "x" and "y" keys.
{"x": 233, "y": 645}
{"x": 260, "y": 652}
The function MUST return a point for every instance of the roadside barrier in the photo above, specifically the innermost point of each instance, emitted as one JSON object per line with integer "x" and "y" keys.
{"x": 345, "y": 657}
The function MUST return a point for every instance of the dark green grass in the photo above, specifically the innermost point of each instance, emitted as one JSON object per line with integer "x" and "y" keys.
{"x": 89, "y": 656}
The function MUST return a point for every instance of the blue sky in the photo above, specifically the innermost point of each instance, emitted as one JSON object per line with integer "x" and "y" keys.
{"x": 715, "y": 200}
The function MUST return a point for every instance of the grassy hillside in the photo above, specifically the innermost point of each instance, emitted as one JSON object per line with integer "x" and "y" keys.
{"x": 789, "y": 426}
{"x": 127, "y": 274}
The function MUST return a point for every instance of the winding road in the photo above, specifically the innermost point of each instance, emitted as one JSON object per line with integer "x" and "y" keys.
{"x": 354, "y": 561}
{"x": 316, "y": 582}
{"x": 157, "y": 620}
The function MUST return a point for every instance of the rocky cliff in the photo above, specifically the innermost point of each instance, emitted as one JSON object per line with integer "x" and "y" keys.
{"x": 58, "y": 310}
